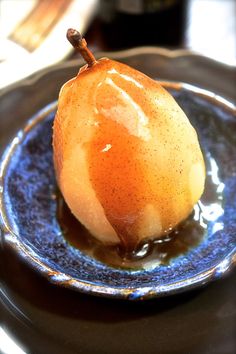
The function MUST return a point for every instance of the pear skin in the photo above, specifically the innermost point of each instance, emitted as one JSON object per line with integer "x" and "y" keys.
{"x": 127, "y": 159}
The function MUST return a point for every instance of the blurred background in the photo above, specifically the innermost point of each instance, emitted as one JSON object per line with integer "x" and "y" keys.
{"x": 32, "y": 32}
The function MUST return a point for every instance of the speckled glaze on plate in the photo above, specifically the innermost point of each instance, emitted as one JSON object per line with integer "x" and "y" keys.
{"x": 28, "y": 209}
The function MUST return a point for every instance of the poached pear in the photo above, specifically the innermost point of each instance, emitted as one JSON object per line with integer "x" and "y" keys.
{"x": 127, "y": 160}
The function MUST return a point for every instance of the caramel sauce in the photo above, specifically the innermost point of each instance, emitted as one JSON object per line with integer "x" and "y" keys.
{"x": 114, "y": 148}
{"x": 128, "y": 166}
{"x": 179, "y": 241}
{"x": 118, "y": 193}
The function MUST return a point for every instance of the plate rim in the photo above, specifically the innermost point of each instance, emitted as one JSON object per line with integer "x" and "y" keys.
{"x": 170, "y": 54}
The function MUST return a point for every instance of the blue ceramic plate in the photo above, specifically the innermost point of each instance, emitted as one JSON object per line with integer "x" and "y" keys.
{"x": 29, "y": 208}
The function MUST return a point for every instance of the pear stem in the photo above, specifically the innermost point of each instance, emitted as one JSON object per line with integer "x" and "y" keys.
{"x": 79, "y": 43}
